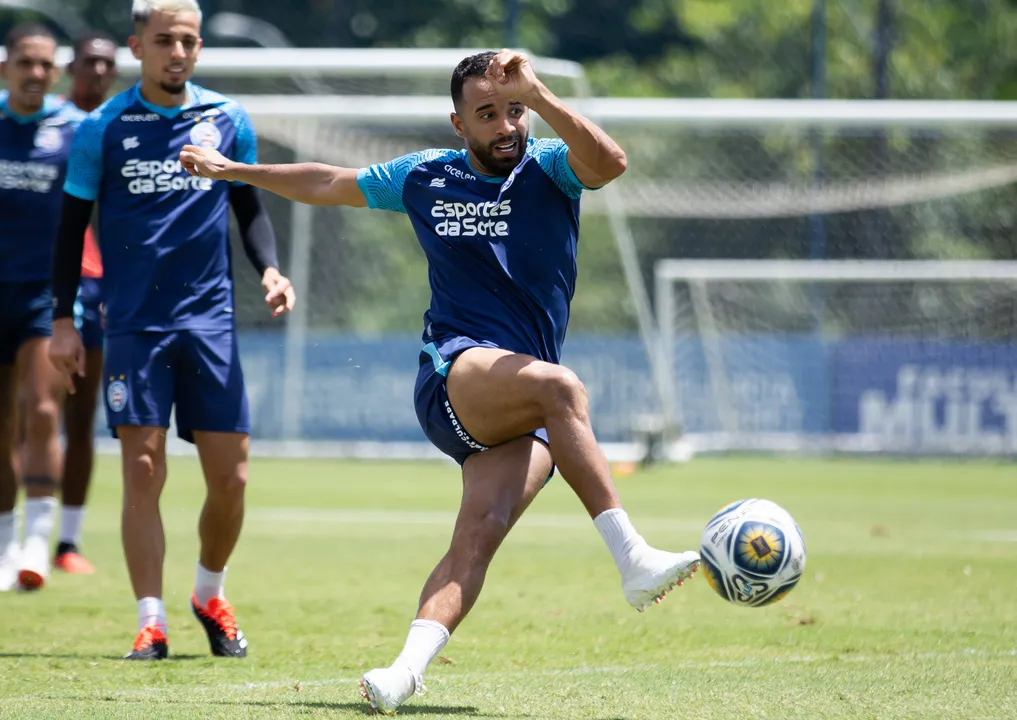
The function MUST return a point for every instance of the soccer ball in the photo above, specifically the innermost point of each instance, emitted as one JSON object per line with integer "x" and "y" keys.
{"x": 753, "y": 553}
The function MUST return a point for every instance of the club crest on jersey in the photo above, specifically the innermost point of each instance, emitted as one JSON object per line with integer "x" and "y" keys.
{"x": 116, "y": 395}
{"x": 206, "y": 134}
{"x": 49, "y": 138}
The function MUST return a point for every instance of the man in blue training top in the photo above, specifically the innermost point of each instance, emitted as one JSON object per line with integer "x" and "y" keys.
{"x": 168, "y": 291}
{"x": 35, "y": 140}
{"x": 499, "y": 223}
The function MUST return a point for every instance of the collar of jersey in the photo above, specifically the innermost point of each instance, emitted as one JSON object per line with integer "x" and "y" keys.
{"x": 169, "y": 112}
{"x": 50, "y": 104}
{"x": 480, "y": 175}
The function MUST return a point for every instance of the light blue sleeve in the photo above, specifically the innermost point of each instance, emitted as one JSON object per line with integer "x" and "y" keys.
{"x": 84, "y": 166}
{"x": 552, "y": 156}
{"x": 246, "y": 143}
{"x": 382, "y": 184}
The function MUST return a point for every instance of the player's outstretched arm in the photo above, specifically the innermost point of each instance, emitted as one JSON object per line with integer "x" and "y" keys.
{"x": 66, "y": 351}
{"x": 594, "y": 157}
{"x": 308, "y": 183}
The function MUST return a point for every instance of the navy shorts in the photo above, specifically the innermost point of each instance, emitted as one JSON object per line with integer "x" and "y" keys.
{"x": 147, "y": 374}
{"x": 88, "y": 313}
{"x": 434, "y": 411}
{"x": 27, "y": 313}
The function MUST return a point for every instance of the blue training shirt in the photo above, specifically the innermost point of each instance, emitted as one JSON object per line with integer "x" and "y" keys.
{"x": 163, "y": 233}
{"x": 34, "y": 150}
{"x": 501, "y": 251}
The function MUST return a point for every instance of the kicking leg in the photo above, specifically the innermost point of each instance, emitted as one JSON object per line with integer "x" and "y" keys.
{"x": 498, "y": 395}
{"x": 79, "y": 425}
{"x": 498, "y": 485}
{"x": 224, "y": 463}
{"x": 10, "y": 548}
{"x": 42, "y": 457}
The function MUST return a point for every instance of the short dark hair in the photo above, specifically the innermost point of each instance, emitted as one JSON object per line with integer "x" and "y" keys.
{"x": 475, "y": 66}
{"x": 26, "y": 30}
{"x": 90, "y": 37}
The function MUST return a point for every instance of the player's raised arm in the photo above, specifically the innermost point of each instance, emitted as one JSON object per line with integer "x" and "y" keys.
{"x": 594, "y": 157}
{"x": 308, "y": 183}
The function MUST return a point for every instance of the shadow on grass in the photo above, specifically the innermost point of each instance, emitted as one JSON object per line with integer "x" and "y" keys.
{"x": 362, "y": 707}
{"x": 90, "y": 656}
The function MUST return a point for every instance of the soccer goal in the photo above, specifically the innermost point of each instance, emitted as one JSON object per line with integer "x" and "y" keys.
{"x": 708, "y": 364}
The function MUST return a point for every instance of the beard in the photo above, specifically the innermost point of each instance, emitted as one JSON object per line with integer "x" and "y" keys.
{"x": 496, "y": 163}
{"x": 172, "y": 88}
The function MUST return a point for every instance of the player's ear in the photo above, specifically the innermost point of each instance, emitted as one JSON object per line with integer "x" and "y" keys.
{"x": 134, "y": 43}
{"x": 457, "y": 124}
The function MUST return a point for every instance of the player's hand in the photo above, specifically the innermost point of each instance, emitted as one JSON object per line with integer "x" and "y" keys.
{"x": 66, "y": 352}
{"x": 512, "y": 75}
{"x": 204, "y": 162}
{"x": 279, "y": 293}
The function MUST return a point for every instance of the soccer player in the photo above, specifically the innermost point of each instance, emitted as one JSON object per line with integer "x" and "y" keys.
{"x": 499, "y": 224}
{"x": 168, "y": 294}
{"x": 35, "y": 140}
{"x": 93, "y": 71}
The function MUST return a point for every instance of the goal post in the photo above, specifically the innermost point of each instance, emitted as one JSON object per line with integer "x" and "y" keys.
{"x": 906, "y": 356}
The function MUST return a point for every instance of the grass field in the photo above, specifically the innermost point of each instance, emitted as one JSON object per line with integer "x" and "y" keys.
{"x": 908, "y": 606}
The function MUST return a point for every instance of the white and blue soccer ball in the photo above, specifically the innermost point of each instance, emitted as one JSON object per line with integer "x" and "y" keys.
{"x": 752, "y": 552}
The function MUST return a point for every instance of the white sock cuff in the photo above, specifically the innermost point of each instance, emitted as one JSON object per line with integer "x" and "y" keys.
{"x": 151, "y": 611}
{"x": 619, "y": 534}
{"x": 432, "y": 625}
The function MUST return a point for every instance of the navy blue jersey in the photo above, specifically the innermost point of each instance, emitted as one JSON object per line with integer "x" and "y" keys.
{"x": 501, "y": 251}
{"x": 163, "y": 234}
{"x": 33, "y": 161}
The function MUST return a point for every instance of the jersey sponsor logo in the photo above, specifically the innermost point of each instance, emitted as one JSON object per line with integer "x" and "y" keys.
{"x": 49, "y": 138}
{"x": 31, "y": 176}
{"x": 461, "y": 174}
{"x": 205, "y": 134}
{"x": 131, "y": 143}
{"x": 210, "y": 113}
{"x": 471, "y": 219}
{"x": 116, "y": 395}
{"x": 159, "y": 176}
{"x": 139, "y": 117}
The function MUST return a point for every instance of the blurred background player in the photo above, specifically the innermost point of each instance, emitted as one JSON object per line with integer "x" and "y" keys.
{"x": 490, "y": 392}
{"x": 93, "y": 72}
{"x": 168, "y": 294}
{"x": 36, "y": 129}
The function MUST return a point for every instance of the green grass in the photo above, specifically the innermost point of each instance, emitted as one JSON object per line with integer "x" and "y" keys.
{"x": 908, "y": 606}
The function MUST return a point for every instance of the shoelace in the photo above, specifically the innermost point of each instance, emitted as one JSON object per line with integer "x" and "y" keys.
{"x": 222, "y": 613}
{"x": 148, "y": 635}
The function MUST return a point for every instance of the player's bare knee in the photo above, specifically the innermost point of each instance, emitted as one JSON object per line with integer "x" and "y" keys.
{"x": 42, "y": 419}
{"x": 144, "y": 476}
{"x": 481, "y": 536}
{"x": 228, "y": 484}
{"x": 562, "y": 392}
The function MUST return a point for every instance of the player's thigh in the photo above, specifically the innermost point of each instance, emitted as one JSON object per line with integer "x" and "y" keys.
{"x": 79, "y": 408}
{"x": 499, "y": 395}
{"x": 211, "y": 396}
{"x": 139, "y": 379}
{"x": 499, "y": 484}
{"x": 223, "y": 458}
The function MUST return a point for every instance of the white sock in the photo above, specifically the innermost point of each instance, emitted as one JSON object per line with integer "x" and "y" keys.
{"x": 8, "y": 529}
{"x": 70, "y": 524}
{"x": 208, "y": 584}
{"x": 152, "y": 611}
{"x": 619, "y": 535}
{"x": 39, "y": 514}
{"x": 425, "y": 640}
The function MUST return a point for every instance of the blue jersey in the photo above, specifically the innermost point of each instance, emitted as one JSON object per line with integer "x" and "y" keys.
{"x": 33, "y": 161}
{"x": 501, "y": 251}
{"x": 163, "y": 234}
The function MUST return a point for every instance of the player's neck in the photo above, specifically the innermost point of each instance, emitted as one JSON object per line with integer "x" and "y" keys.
{"x": 86, "y": 101}
{"x": 20, "y": 109}
{"x": 153, "y": 93}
